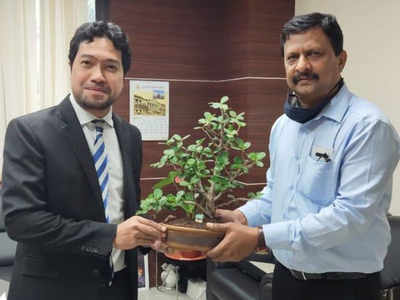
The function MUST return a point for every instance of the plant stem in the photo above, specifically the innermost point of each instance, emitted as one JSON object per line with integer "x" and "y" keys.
{"x": 205, "y": 211}
{"x": 227, "y": 203}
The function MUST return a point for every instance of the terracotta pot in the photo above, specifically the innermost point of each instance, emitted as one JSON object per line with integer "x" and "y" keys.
{"x": 188, "y": 238}
{"x": 191, "y": 253}
{"x": 186, "y": 255}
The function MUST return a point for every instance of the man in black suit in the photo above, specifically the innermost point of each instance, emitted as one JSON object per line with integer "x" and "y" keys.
{"x": 73, "y": 219}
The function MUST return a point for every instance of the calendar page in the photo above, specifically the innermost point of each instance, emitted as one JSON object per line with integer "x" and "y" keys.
{"x": 149, "y": 108}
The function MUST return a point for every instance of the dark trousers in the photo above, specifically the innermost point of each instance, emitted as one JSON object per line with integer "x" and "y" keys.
{"x": 120, "y": 289}
{"x": 286, "y": 287}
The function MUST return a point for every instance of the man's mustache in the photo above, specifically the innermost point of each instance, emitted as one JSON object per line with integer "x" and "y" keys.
{"x": 308, "y": 76}
{"x": 103, "y": 89}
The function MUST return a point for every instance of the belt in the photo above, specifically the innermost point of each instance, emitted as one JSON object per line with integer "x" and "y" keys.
{"x": 328, "y": 276}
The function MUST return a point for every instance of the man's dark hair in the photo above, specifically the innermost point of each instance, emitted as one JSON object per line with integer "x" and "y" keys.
{"x": 88, "y": 31}
{"x": 328, "y": 23}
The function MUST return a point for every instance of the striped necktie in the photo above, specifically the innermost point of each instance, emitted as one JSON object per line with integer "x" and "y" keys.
{"x": 100, "y": 159}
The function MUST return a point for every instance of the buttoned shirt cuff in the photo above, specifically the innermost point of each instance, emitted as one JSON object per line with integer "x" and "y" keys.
{"x": 252, "y": 214}
{"x": 277, "y": 235}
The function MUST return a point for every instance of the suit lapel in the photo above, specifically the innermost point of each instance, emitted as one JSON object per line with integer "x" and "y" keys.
{"x": 73, "y": 132}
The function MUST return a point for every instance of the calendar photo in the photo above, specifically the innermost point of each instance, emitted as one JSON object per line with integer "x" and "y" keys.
{"x": 149, "y": 108}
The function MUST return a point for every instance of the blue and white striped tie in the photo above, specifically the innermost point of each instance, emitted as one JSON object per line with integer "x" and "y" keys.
{"x": 100, "y": 162}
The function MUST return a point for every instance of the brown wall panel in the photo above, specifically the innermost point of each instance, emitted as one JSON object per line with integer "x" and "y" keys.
{"x": 206, "y": 39}
{"x": 170, "y": 39}
{"x": 205, "y": 43}
{"x": 251, "y": 31}
{"x": 265, "y": 22}
{"x": 234, "y": 50}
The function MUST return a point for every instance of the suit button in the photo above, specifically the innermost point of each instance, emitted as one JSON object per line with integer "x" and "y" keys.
{"x": 96, "y": 273}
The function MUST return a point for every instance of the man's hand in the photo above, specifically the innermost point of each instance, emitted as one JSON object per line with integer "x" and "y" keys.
{"x": 235, "y": 216}
{"x": 239, "y": 241}
{"x": 138, "y": 231}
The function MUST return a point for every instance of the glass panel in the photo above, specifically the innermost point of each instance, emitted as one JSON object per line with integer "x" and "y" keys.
{"x": 91, "y": 10}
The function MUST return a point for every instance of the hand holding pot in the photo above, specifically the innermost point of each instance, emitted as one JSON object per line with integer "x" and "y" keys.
{"x": 235, "y": 216}
{"x": 138, "y": 231}
{"x": 239, "y": 241}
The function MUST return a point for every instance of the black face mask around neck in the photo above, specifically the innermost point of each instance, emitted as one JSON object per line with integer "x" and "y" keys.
{"x": 296, "y": 113}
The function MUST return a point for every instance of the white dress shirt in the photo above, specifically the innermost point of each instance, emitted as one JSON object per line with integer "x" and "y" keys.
{"x": 115, "y": 204}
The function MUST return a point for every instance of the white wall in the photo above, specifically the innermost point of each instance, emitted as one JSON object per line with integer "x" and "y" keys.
{"x": 372, "y": 41}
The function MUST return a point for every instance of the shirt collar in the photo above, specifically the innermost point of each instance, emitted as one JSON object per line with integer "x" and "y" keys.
{"x": 85, "y": 117}
{"x": 337, "y": 107}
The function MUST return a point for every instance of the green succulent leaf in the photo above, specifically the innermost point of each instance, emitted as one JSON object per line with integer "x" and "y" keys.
{"x": 260, "y": 155}
{"x": 167, "y": 180}
{"x": 252, "y": 195}
{"x": 224, "y": 99}
{"x": 215, "y": 105}
{"x": 184, "y": 183}
{"x": 157, "y": 193}
{"x": 169, "y": 152}
{"x": 223, "y": 158}
{"x": 246, "y": 145}
{"x": 252, "y": 156}
{"x": 191, "y": 161}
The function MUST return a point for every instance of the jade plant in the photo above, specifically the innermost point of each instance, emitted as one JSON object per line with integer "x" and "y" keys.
{"x": 207, "y": 171}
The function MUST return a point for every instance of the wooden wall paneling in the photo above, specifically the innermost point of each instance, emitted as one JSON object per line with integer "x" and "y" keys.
{"x": 251, "y": 31}
{"x": 235, "y": 27}
{"x": 264, "y": 105}
{"x": 170, "y": 39}
{"x": 208, "y": 41}
{"x": 266, "y": 19}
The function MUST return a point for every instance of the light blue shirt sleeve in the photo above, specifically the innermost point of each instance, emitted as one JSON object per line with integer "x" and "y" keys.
{"x": 258, "y": 211}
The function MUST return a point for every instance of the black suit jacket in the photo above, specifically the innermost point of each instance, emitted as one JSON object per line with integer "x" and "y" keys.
{"x": 53, "y": 205}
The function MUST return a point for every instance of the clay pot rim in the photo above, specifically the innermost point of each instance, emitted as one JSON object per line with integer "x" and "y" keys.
{"x": 178, "y": 255}
{"x": 192, "y": 229}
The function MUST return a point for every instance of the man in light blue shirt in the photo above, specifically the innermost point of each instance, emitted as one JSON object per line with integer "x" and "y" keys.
{"x": 329, "y": 184}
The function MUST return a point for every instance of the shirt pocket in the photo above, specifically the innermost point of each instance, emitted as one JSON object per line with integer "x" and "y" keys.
{"x": 318, "y": 181}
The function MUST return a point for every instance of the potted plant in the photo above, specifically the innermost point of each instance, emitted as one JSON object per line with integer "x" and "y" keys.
{"x": 203, "y": 174}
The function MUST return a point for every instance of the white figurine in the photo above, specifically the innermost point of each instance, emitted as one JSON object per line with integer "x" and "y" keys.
{"x": 168, "y": 276}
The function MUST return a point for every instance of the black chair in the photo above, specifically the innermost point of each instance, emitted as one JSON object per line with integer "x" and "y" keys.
{"x": 239, "y": 281}
{"x": 390, "y": 275}
{"x": 7, "y": 249}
